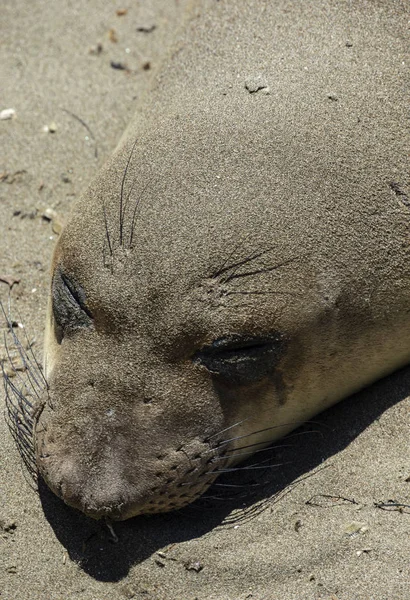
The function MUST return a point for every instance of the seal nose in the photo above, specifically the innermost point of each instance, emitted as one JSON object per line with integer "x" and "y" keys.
{"x": 99, "y": 495}
{"x": 93, "y": 503}
{"x": 100, "y": 489}
{"x": 104, "y": 495}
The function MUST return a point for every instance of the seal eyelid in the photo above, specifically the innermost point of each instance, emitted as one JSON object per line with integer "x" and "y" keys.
{"x": 69, "y": 305}
{"x": 242, "y": 360}
{"x": 76, "y": 292}
{"x": 236, "y": 344}
{"x": 242, "y": 342}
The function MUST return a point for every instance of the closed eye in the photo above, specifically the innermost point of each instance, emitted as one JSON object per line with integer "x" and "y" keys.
{"x": 240, "y": 359}
{"x": 69, "y": 305}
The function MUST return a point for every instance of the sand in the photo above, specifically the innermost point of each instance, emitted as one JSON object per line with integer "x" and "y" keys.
{"x": 320, "y": 527}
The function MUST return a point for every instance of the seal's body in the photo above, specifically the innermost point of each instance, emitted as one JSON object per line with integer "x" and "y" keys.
{"x": 241, "y": 262}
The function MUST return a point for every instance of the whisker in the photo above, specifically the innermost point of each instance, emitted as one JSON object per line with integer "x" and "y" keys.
{"x": 107, "y": 232}
{"x": 236, "y": 485}
{"x": 19, "y": 415}
{"x": 268, "y": 449}
{"x": 27, "y": 362}
{"x": 289, "y": 435}
{"x": 252, "y": 512}
{"x": 265, "y": 442}
{"x": 244, "y": 261}
{"x": 251, "y": 273}
{"x": 261, "y": 462}
{"x": 21, "y": 393}
{"x": 223, "y": 498}
{"x": 10, "y": 360}
{"x": 223, "y": 267}
{"x": 298, "y": 433}
{"x": 122, "y": 214}
{"x": 226, "y": 429}
{"x": 21, "y": 427}
{"x": 26, "y": 366}
{"x": 252, "y": 468}
{"x": 19, "y": 377}
{"x": 17, "y": 411}
{"x": 39, "y": 369}
{"x": 261, "y": 293}
{"x": 23, "y": 440}
{"x": 127, "y": 199}
{"x": 236, "y": 275}
{"x": 247, "y": 513}
{"x": 18, "y": 393}
{"x": 134, "y": 214}
{"x": 24, "y": 431}
{"x": 241, "y": 437}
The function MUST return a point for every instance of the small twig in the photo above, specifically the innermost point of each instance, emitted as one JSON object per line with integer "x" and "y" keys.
{"x": 114, "y": 537}
{"x": 335, "y": 498}
{"x": 392, "y": 504}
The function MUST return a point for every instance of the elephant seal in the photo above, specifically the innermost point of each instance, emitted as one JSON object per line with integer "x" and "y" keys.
{"x": 240, "y": 263}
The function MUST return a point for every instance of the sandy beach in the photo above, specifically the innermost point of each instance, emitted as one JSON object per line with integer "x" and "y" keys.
{"x": 332, "y": 523}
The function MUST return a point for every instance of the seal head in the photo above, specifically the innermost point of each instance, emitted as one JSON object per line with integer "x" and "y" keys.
{"x": 240, "y": 264}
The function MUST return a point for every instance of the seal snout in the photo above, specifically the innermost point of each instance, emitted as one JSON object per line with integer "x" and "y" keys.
{"x": 115, "y": 482}
{"x": 105, "y": 494}
{"x": 111, "y": 495}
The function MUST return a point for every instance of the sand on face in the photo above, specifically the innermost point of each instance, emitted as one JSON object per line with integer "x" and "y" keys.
{"x": 325, "y": 538}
